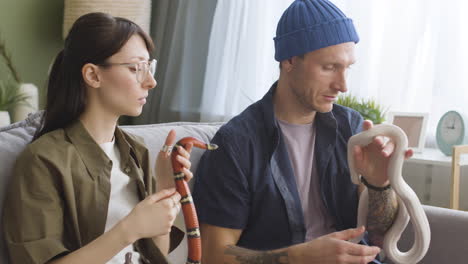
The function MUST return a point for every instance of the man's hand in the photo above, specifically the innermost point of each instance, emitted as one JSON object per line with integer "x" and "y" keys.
{"x": 372, "y": 161}
{"x": 334, "y": 248}
{"x": 219, "y": 247}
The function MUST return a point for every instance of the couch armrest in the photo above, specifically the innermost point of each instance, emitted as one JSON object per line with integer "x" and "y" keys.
{"x": 449, "y": 236}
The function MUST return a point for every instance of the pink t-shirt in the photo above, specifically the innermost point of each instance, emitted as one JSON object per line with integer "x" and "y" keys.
{"x": 300, "y": 143}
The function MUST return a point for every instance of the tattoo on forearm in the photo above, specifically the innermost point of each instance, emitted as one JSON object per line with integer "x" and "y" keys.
{"x": 383, "y": 208}
{"x": 246, "y": 256}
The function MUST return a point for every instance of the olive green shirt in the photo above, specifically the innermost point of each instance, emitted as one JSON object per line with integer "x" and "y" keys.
{"x": 59, "y": 195}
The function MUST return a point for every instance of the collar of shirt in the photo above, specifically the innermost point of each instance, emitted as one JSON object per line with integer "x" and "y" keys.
{"x": 94, "y": 157}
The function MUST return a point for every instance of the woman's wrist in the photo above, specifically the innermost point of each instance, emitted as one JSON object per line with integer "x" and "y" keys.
{"x": 163, "y": 243}
{"x": 124, "y": 229}
{"x": 165, "y": 185}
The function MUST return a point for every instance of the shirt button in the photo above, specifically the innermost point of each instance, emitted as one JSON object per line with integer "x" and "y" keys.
{"x": 127, "y": 170}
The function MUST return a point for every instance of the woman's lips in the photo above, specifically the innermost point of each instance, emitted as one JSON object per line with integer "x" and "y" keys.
{"x": 142, "y": 100}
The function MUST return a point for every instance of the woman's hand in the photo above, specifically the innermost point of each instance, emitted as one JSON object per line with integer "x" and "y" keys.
{"x": 163, "y": 168}
{"x": 372, "y": 161}
{"x": 152, "y": 217}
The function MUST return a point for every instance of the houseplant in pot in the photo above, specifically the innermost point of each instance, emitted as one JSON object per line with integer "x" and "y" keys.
{"x": 368, "y": 108}
{"x": 11, "y": 96}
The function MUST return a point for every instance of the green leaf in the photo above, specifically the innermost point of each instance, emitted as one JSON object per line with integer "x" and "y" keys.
{"x": 368, "y": 108}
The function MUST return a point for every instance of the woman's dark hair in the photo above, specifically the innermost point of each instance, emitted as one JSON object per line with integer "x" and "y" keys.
{"x": 93, "y": 38}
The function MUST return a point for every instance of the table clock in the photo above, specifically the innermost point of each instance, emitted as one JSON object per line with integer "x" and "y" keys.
{"x": 452, "y": 130}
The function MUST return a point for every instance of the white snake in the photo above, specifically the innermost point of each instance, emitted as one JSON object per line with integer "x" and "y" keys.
{"x": 408, "y": 202}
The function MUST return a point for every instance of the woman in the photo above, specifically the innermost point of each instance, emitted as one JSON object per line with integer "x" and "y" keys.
{"x": 83, "y": 190}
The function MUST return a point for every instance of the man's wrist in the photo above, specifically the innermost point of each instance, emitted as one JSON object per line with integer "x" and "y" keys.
{"x": 376, "y": 186}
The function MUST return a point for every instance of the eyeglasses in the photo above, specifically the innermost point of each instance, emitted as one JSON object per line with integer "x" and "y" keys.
{"x": 141, "y": 68}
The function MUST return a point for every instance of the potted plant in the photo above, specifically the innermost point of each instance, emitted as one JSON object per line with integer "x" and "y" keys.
{"x": 368, "y": 108}
{"x": 11, "y": 95}
{"x": 9, "y": 98}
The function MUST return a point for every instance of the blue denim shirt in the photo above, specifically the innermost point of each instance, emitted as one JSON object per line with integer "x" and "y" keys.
{"x": 248, "y": 182}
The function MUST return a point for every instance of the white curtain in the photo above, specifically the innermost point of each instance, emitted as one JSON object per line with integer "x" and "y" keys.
{"x": 411, "y": 56}
{"x": 240, "y": 64}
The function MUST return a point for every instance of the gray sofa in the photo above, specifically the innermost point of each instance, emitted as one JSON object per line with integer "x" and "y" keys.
{"x": 449, "y": 228}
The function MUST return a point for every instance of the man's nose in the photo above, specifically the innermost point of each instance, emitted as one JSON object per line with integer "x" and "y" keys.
{"x": 340, "y": 82}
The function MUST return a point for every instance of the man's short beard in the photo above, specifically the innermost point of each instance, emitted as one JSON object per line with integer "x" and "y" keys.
{"x": 303, "y": 100}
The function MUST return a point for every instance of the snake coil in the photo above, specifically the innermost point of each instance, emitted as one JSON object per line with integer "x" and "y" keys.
{"x": 408, "y": 202}
{"x": 188, "y": 207}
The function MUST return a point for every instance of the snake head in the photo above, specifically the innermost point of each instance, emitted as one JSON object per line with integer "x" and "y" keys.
{"x": 211, "y": 146}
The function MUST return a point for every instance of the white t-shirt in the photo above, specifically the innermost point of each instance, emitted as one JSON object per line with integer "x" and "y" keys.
{"x": 123, "y": 198}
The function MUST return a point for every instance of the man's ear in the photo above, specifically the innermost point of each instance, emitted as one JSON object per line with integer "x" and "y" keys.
{"x": 287, "y": 65}
{"x": 91, "y": 75}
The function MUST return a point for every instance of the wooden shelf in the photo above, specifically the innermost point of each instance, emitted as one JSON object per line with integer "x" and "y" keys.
{"x": 457, "y": 151}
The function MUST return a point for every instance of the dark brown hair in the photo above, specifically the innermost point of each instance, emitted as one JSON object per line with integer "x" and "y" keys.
{"x": 93, "y": 38}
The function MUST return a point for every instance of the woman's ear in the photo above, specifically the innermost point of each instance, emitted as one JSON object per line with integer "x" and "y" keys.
{"x": 91, "y": 75}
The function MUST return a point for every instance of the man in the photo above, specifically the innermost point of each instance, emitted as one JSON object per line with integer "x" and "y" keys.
{"x": 278, "y": 190}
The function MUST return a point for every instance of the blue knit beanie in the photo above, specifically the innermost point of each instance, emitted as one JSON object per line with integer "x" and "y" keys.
{"x": 308, "y": 25}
